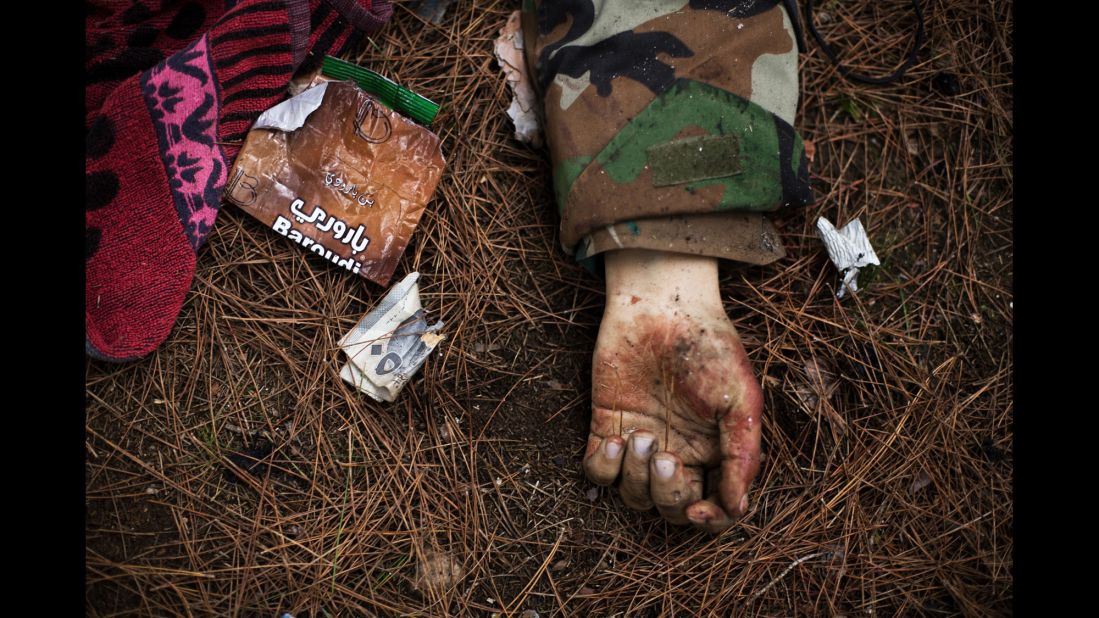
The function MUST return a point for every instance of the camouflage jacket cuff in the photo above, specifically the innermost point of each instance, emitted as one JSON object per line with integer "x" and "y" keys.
{"x": 740, "y": 236}
{"x": 666, "y": 108}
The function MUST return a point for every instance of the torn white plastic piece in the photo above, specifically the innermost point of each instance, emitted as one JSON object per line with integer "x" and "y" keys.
{"x": 509, "y": 55}
{"x": 291, "y": 114}
{"x": 388, "y": 346}
{"x": 849, "y": 249}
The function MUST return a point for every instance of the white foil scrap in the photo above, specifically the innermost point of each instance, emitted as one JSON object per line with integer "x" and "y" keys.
{"x": 291, "y": 114}
{"x": 389, "y": 344}
{"x": 849, "y": 249}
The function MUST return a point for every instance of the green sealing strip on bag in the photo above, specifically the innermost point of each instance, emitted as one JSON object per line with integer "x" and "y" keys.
{"x": 401, "y": 99}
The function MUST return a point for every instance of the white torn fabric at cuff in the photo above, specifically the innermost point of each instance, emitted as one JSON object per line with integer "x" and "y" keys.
{"x": 291, "y": 114}
{"x": 389, "y": 344}
{"x": 510, "y": 56}
{"x": 614, "y": 236}
{"x": 849, "y": 249}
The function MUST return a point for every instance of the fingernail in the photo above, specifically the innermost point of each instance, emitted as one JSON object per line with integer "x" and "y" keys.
{"x": 642, "y": 445}
{"x": 744, "y": 504}
{"x": 613, "y": 449}
{"x": 665, "y": 468}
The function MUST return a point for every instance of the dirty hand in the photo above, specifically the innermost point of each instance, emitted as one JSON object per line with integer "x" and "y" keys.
{"x": 676, "y": 407}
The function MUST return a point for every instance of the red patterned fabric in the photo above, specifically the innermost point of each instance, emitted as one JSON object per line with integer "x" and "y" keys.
{"x": 163, "y": 110}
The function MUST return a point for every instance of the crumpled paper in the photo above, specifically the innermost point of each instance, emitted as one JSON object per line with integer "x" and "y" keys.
{"x": 523, "y": 108}
{"x": 389, "y": 344}
{"x": 849, "y": 249}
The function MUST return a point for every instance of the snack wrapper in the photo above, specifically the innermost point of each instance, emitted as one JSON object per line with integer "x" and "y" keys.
{"x": 339, "y": 174}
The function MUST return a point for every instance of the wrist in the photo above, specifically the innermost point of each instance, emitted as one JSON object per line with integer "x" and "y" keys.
{"x": 662, "y": 279}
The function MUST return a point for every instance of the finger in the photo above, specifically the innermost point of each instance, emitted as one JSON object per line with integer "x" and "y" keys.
{"x": 673, "y": 486}
{"x": 708, "y": 516}
{"x": 740, "y": 436}
{"x": 604, "y": 459}
{"x": 635, "y": 470}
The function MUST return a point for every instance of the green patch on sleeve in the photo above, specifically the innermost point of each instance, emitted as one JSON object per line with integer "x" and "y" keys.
{"x": 752, "y": 183}
{"x": 693, "y": 158}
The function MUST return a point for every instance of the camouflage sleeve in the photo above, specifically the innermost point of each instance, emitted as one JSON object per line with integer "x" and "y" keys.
{"x": 669, "y": 122}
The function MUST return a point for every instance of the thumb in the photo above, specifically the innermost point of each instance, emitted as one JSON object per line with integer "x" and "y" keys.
{"x": 740, "y": 436}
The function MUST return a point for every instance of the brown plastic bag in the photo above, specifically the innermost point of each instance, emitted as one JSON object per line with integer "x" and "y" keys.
{"x": 349, "y": 185}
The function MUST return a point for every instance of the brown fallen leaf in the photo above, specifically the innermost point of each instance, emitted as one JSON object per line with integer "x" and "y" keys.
{"x": 816, "y": 393}
{"x": 437, "y": 572}
{"x": 922, "y": 480}
{"x": 910, "y": 144}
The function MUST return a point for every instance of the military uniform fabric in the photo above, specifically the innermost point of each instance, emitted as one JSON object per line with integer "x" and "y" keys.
{"x": 669, "y": 122}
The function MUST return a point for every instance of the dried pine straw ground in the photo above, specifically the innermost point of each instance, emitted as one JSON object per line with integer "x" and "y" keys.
{"x": 886, "y": 488}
